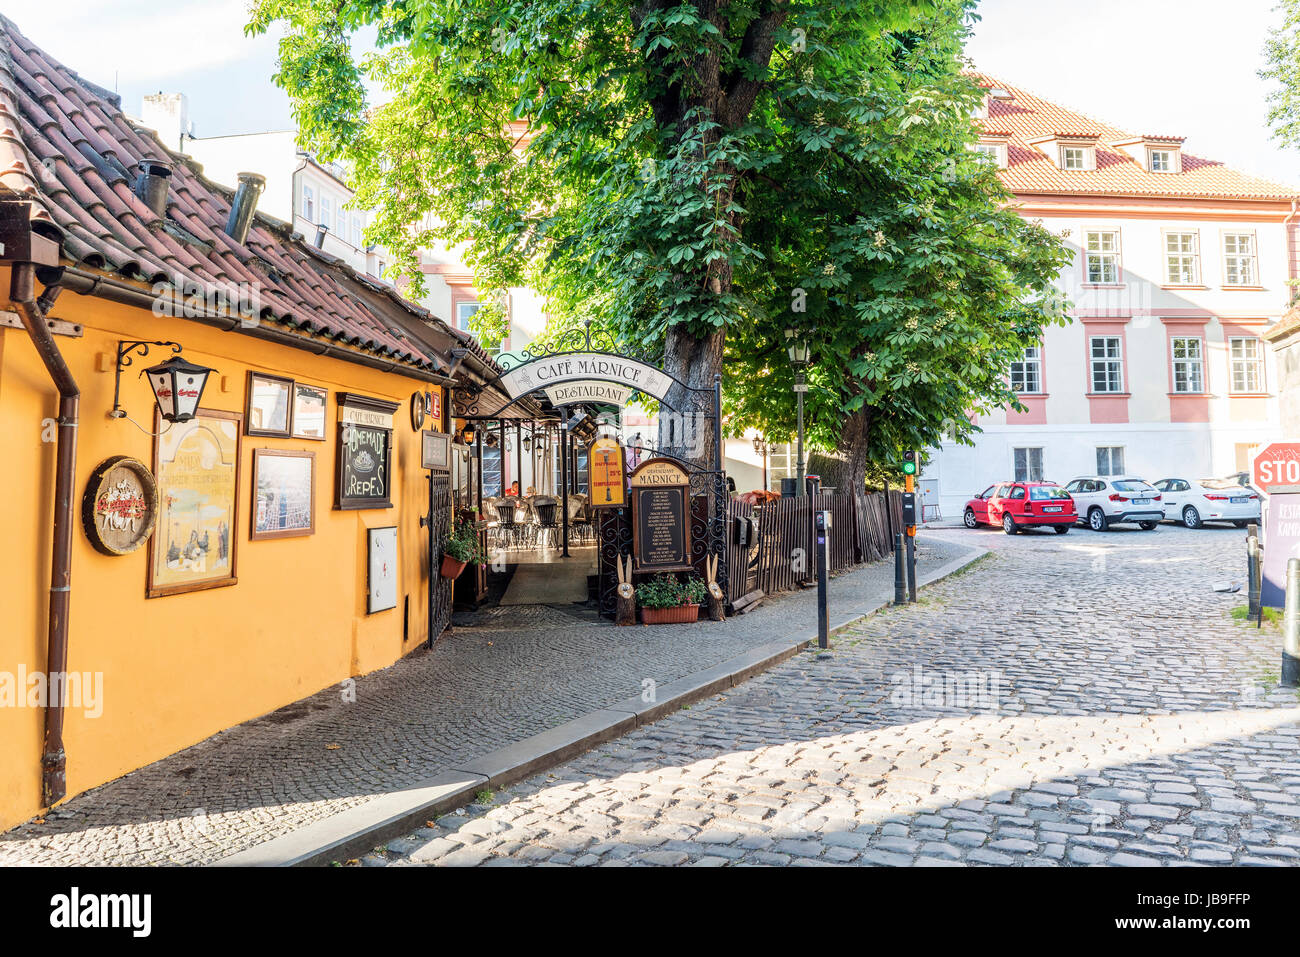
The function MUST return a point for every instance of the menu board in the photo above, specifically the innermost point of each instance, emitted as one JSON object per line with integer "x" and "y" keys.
{"x": 660, "y": 530}
{"x": 364, "y": 453}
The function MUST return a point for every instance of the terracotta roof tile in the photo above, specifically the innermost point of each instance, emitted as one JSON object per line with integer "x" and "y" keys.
{"x": 1026, "y": 117}
{"x": 66, "y": 144}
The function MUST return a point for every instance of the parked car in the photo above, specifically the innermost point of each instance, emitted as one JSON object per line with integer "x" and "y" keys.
{"x": 1193, "y": 501}
{"x": 1017, "y": 505}
{"x": 1103, "y": 500}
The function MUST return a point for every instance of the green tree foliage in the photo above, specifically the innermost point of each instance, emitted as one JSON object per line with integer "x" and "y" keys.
{"x": 1282, "y": 52}
{"x": 674, "y": 169}
{"x": 894, "y": 250}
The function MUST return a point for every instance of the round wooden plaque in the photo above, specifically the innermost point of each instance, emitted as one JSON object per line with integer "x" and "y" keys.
{"x": 120, "y": 505}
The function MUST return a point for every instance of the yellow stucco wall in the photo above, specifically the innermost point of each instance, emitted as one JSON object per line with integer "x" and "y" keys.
{"x": 180, "y": 668}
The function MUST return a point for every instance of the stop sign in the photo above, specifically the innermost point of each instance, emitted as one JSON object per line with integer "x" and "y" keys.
{"x": 1276, "y": 466}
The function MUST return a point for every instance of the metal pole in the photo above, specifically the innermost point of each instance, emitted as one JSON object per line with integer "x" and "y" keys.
{"x": 823, "y": 609}
{"x": 519, "y": 455}
{"x": 799, "y": 388}
{"x": 1252, "y": 570}
{"x": 900, "y": 571}
{"x": 1291, "y": 626}
{"x": 911, "y": 567}
{"x": 564, "y": 479}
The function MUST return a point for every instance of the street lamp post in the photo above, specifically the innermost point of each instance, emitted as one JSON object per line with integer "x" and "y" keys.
{"x": 761, "y": 447}
{"x": 797, "y": 347}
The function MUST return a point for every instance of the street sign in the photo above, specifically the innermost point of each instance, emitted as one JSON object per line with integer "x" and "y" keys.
{"x": 1277, "y": 465}
{"x": 1281, "y": 542}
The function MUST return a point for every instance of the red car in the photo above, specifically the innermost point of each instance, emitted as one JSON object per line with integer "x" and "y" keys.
{"x": 1017, "y": 505}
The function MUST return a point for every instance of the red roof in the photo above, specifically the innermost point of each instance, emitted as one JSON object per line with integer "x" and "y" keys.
{"x": 1026, "y": 117}
{"x": 66, "y": 145}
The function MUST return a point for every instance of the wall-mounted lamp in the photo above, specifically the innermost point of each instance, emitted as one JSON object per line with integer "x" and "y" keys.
{"x": 177, "y": 384}
{"x": 467, "y": 433}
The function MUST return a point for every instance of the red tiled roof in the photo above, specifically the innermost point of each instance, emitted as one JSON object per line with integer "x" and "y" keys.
{"x": 66, "y": 145}
{"x": 1027, "y": 117}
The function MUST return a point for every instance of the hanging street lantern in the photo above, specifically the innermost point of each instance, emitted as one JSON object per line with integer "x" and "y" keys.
{"x": 177, "y": 387}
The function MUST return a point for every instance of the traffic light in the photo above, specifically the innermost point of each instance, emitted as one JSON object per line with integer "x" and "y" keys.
{"x": 909, "y": 462}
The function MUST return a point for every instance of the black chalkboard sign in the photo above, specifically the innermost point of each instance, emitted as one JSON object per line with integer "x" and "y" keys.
{"x": 364, "y": 453}
{"x": 661, "y": 533}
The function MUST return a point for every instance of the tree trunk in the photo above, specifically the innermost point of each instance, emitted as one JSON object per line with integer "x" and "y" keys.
{"x": 688, "y": 431}
{"x": 853, "y": 445}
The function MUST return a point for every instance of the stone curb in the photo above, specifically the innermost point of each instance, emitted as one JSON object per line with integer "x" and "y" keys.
{"x": 359, "y": 829}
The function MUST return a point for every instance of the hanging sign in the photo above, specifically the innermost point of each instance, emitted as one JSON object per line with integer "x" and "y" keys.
{"x": 589, "y": 391}
{"x": 435, "y": 450}
{"x": 585, "y": 367}
{"x": 605, "y": 466}
{"x": 120, "y": 505}
{"x": 661, "y": 534}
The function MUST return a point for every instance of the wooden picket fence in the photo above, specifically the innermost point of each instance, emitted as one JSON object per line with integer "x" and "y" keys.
{"x": 862, "y": 530}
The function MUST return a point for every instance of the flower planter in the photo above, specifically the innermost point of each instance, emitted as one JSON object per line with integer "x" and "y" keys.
{"x": 452, "y": 568}
{"x": 676, "y": 615}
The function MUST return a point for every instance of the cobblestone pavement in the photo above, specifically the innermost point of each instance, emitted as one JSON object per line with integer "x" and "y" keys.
{"x": 508, "y": 677}
{"x": 1124, "y": 718}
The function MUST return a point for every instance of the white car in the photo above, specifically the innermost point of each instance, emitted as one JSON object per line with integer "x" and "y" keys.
{"x": 1103, "y": 500}
{"x": 1209, "y": 500}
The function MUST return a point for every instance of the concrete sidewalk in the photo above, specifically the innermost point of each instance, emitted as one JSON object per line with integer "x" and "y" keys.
{"x": 487, "y": 702}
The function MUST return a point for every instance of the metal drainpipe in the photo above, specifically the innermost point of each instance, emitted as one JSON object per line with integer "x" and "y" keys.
{"x": 54, "y": 785}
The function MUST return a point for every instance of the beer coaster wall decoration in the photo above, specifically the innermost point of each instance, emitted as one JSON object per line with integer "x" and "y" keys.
{"x": 120, "y": 505}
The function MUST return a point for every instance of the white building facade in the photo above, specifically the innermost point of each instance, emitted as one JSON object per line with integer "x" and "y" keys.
{"x": 1180, "y": 267}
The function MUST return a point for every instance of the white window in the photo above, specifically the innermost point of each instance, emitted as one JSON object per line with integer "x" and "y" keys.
{"x": 1029, "y": 465}
{"x": 1027, "y": 374}
{"x": 1247, "y": 365}
{"x": 1103, "y": 256}
{"x": 1189, "y": 364}
{"x": 308, "y": 203}
{"x": 1110, "y": 460}
{"x": 355, "y": 235}
{"x": 464, "y": 310}
{"x": 1107, "y": 364}
{"x": 1162, "y": 161}
{"x": 1075, "y": 157}
{"x": 341, "y": 226}
{"x": 1182, "y": 259}
{"x": 1239, "y": 260}
{"x": 993, "y": 151}
{"x": 326, "y": 211}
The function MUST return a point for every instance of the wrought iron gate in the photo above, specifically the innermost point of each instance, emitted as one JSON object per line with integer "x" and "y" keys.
{"x": 438, "y": 521}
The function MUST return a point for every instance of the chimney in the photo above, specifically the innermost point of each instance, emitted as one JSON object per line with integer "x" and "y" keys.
{"x": 321, "y": 230}
{"x": 151, "y": 184}
{"x": 244, "y": 205}
{"x": 167, "y": 114}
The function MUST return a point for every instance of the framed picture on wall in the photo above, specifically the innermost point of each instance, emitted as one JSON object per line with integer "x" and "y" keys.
{"x": 309, "y": 411}
{"x": 196, "y": 466}
{"x": 269, "y": 403}
{"x": 284, "y": 494}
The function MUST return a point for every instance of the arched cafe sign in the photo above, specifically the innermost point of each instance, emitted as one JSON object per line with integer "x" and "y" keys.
{"x": 579, "y": 376}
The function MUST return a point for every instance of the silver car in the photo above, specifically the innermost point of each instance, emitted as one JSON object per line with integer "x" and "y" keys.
{"x": 1103, "y": 500}
{"x": 1193, "y": 501}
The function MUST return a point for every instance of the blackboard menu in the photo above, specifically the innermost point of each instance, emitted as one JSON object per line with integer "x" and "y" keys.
{"x": 661, "y": 532}
{"x": 364, "y": 453}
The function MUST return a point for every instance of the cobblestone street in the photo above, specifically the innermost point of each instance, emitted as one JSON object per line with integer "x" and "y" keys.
{"x": 517, "y": 672}
{"x": 1078, "y": 700}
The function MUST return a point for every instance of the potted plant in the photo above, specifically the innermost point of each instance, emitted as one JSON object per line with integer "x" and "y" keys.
{"x": 462, "y": 548}
{"x": 665, "y": 600}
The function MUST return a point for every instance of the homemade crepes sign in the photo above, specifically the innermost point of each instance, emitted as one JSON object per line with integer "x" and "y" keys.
{"x": 585, "y": 367}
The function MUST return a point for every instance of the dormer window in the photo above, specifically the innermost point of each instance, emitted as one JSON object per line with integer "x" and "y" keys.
{"x": 995, "y": 151}
{"x": 1074, "y": 157}
{"x": 1068, "y": 152}
{"x": 1162, "y": 161}
{"x": 1156, "y": 154}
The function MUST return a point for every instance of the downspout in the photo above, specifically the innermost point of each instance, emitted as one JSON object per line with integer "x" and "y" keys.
{"x": 23, "y": 294}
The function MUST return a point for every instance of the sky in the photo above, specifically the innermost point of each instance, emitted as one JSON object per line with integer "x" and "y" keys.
{"x": 1180, "y": 67}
